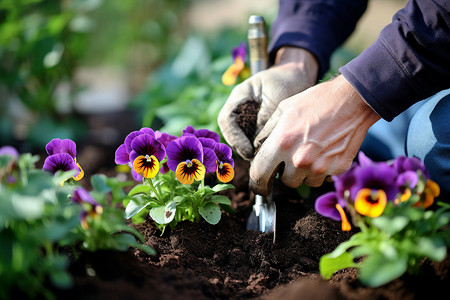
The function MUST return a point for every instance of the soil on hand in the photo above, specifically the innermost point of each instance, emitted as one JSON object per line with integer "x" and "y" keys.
{"x": 225, "y": 261}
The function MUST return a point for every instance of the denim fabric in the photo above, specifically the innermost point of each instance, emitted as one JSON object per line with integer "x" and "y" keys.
{"x": 428, "y": 138}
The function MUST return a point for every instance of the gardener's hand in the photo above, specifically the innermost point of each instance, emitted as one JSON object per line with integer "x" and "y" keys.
{"x": 312, "y": 134}
{"x": 295, "y": 70}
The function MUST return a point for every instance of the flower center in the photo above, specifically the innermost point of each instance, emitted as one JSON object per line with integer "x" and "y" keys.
{"x": 148, "y": 158}
{"x": 188, "y": 163}
{"x": 220, "y": 165}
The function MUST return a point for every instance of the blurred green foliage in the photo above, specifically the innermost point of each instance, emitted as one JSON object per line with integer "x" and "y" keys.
{"x": 187, "y": 89}
{"x": 44, "y": 42}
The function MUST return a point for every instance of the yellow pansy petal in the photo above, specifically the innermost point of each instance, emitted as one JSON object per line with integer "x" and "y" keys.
{"x": 370, "y": 203}
{"x": 146, "y": 166}
{"x": 225, "y": 172}
{"x": 230, "y": 75}
{"x": 80, "y": 174}
{"x": 186, "y": 174}
{"x": 345, "y": 223}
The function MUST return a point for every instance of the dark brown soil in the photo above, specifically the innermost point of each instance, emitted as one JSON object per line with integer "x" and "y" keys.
{"x": 224, "y": 261}
{"x": 246, "y": 117}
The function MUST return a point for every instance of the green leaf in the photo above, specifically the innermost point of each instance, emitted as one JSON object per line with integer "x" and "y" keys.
{"x": 329, "y": 264}
{"x": 432, "y": 247}
{"x": 164, "y": 214}
{"x": 134, "y": 207}
{"x": 390, "y": 225}
{"x": 219, "y": 199}
{"x": 210, "y": 212}
{"x": 222, "y": 186}
{"x": 99, "y": 183}
{"x": 376, "y": 270}
{"x": 139, "y": 189}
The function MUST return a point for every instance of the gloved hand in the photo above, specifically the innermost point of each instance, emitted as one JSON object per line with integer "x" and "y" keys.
{"x": 295, "y": 70}
{"x": 311, "y": 135}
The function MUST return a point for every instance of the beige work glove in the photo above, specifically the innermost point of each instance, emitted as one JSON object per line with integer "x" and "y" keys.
{"x": 311, "y": 135}
{"x": 295, "y": 70}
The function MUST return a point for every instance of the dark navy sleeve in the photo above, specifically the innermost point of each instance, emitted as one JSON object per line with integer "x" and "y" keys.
{"x": 409, "y": 61}
{"x": 319, "y": 26}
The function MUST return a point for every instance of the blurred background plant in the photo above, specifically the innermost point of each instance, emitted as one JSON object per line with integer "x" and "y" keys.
{"x": 66, "y": 64}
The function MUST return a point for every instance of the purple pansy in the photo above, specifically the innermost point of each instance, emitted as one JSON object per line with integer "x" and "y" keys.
{"x": 326, "y": 205}
{"x": 182, "y": 149}
{"x": 125, "y": 154}
{"x": 185, "y": 158}
{"x": 209, "y": 154}
{"x": 240, "y": 51}
{"x": 375, "y": 176}
{"x": 62, "y": 156}
{"x": 202, "y": 133}
{"x": 402, "y": 164}
{"x": 59, "y": 162}
{"x": 165, "y": 139}
{"x": 90, "y": 206}
{"x": 9, "y": 150}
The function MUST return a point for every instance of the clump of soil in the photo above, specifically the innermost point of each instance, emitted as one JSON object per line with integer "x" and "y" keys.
{"x": 246, "y": 117}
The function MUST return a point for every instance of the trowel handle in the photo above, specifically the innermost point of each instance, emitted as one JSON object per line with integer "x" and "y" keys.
{"x": 257, "y": 44}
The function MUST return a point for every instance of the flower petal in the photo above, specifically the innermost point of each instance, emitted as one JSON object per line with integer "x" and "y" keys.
{"x": 80, "y": 174}
{"x": 186, "y": 174}
{"x": 326, "y": 206}
{"x": 146, "y": 144}
{"x": 184, "y": 148}
{"x": 370, "y": 203}
{"x": 121, "y": 156}
{"x": 59, "y": 162}
{"x": 146, "y": 166}
{"x": 225, "y": 172}
{"x": 345, "y": 223}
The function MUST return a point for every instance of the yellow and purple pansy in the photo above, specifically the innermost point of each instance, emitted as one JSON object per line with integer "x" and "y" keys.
{"x": 62, "y": 157}
{"x": 231, "y": 74}
{"x": 91, "y": 208}
{"x": 224, "y": 163}
{"x": 185, "y": 158}
{"x": 146, "y": 148}
{"x": 331, "y": 206}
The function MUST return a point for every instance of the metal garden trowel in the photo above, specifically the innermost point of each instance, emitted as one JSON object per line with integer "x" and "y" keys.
{"x": 264, "y": 214}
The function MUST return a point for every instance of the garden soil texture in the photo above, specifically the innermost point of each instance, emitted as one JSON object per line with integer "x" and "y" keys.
{"x": 225, "y": 261}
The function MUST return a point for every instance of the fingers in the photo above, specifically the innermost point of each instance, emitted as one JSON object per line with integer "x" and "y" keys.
{"x": 263, "y": 169}
{"x": 265, "y": 131}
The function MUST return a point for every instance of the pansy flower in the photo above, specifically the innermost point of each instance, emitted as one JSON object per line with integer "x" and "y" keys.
{"x": 373, "y": 187}
{"x": 224, "y": 163}
{"x": 185, "y": 158}
{"x": 329, "y": 205}
{"x": 62, "y": 157}
{"x": 165, "y": 139}
{"x": 201, "y": 133}
{"x": 231, "y": 74}
{"x": 90, "y": 206}
{"x": 146, "y": 153}
{"x": 122, "y": 155}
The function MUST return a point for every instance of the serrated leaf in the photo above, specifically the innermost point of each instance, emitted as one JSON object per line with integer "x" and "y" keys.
{"x": 210, "y": 212}
{"x": 329, "y": 264}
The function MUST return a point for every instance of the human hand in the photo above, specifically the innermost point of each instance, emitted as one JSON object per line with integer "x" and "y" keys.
{"x": 311, "y": 135}
{"x": 295, "y": 70}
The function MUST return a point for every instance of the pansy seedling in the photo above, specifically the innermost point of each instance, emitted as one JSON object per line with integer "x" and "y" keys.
{"x": 387, "y": 202}
{"x": 178, "y": 191}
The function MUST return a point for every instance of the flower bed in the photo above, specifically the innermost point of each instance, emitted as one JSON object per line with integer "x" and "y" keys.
{"x": 224, "y": 261}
